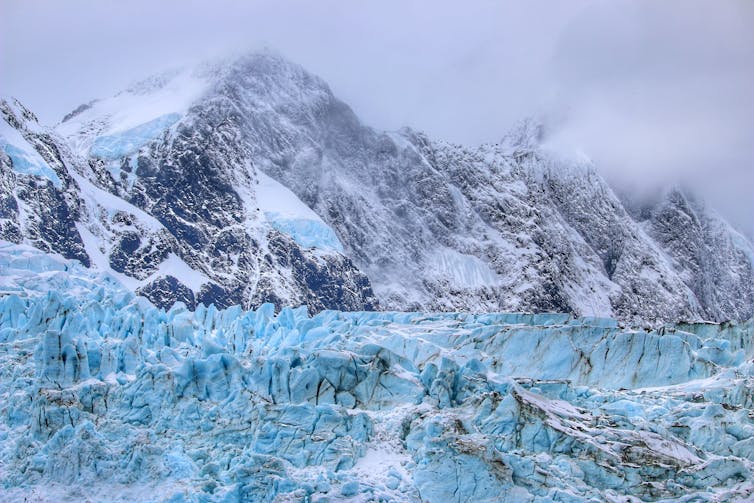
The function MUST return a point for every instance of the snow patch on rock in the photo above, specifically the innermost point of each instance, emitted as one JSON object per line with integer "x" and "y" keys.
{"x": 24, "y": 157}
{"x": 288, "y": 214}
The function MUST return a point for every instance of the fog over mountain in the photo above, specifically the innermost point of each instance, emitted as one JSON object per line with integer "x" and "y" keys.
{"x": 655, "y": 93}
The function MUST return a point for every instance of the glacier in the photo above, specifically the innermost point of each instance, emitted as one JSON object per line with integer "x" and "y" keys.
{"x": 105, "y": 397}
{"x": 122, "y": 144}
{"x": 286, "y": 213}
{"x": 24, "y": 158}
{"x": 306, "y": 232}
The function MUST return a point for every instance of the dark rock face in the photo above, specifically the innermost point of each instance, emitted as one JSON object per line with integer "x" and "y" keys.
{"x": 56, "y": 227}
{"x": 183, "y": 203}
{"x": 424, "y": 225}
{"x": 50, "y": 211}
{"x": 10, "y": 229}
{"x": 137, "y": 259}
{"x": 332, "y": 282}
{"x": 166, "y": 291}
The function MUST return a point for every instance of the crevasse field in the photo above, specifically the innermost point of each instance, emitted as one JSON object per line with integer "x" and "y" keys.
{"x": 103, "y": 397}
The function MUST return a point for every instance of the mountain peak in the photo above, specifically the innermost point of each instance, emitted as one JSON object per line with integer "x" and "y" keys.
{"x": 434, "y": 226}
{"x": 162, "y": 99}
{"x": 527, "y": 134}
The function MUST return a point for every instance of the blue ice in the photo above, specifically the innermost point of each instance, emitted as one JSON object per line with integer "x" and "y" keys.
{"x": 30, "y": 165}
{"x": 118, "y": 145}
{"x": 308, "y": 233}
{"x": 100, "y": 389}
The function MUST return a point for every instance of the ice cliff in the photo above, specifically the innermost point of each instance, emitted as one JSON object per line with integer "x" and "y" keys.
{"x": 105, "y": 397}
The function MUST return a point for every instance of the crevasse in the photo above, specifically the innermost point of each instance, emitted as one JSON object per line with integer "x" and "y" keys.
{"x": 99, "y": 389}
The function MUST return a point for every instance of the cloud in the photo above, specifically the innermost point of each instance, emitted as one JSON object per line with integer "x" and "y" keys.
{"x": 661, "y": 93}
{"x": 655, "y": 92}
{"x": 459, "y": 72}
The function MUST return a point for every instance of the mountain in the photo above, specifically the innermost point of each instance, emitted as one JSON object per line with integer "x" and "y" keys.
{"x": 195, "y": 241}
{"x": 247, "y": 181}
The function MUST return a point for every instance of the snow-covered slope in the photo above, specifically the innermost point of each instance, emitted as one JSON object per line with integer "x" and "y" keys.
{"x": 435, "y": 226}
{"x": 286, "y": 213}
{"x": 105, "y": 397}
{"x": 120, "y": 125}
{"x": 268, "y": 185}
{"x": 24, "y": 158}
{"x": 214, "y": 245}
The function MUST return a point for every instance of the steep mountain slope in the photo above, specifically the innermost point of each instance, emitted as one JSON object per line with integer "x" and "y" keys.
{"x": 434, "y": 226}
{"x": 714, "y": 260}
{"x": 36, "y": 203}
{"x": 179, "y": 250}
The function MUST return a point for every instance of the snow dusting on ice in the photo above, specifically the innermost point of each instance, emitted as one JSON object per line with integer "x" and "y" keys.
{"x": 103, "y": 396}
{"x": 462, "y": 270}
{"x": 24, "y": 158}
{"x": 118, "y": 124}
{"x": 288, "y": 214}
{"x": 120, "y": 144}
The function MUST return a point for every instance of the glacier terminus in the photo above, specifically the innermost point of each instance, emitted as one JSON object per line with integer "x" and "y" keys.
{"x": 105, "y": 396}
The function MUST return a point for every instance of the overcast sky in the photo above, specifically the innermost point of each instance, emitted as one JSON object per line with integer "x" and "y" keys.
{"x": 656, "y": 92}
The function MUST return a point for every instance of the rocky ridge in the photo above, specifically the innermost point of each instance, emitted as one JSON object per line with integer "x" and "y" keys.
{"x": 423, "y": 224}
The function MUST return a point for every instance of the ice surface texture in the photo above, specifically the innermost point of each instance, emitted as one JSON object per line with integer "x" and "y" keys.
{"x": 118, "y": 145}
{"x": 307, "y": 233}
{"x": 103, "y": 396}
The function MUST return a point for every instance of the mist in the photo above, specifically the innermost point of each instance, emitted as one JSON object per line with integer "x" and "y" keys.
{"x": 656, "y": 93}
{"x": 661, "y": 94}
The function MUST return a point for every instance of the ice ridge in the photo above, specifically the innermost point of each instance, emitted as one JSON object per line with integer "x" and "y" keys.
{"x": 100, "y": 389}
